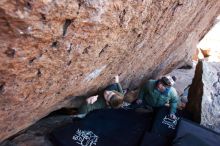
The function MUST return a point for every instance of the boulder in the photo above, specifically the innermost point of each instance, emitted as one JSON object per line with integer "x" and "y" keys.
{"x": 204, "y": 95}
{"x": 54, "y": 50}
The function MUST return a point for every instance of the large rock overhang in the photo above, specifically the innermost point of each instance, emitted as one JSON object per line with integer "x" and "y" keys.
{"x": 52, "y": 51}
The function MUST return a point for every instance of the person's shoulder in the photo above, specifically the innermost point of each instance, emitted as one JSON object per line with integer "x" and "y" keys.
{"x": 173, "y": 91}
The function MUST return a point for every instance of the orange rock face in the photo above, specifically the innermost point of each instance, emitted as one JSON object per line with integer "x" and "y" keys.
{"x": 53, "y": 50}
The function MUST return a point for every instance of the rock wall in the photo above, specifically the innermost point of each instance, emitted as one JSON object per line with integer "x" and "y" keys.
{"x": 54, "y": 50}
{"x": 195, "y": 93}
{"x": 184, "y": 77}
{"x": 204, "y": 95}
{"x": 37, "y": 134}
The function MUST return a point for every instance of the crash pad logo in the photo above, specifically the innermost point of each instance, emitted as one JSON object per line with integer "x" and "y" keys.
{"x": 85, "y": 138}
{"x": 171, "y": 123}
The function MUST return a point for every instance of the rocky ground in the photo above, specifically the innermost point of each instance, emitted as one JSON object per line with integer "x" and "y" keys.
{"x": 37, "y": 134}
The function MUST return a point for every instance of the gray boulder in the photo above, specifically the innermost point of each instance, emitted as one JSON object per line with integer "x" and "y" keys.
{"x": 204, "y": 95}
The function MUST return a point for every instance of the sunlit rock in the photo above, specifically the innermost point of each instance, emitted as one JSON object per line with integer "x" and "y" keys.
{"x": 204, "y": 95}
{"x": 54, "y": 50}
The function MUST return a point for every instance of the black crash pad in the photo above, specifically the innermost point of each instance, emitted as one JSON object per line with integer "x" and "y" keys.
{"x": 163, "y": 125}
{"x": 189, "y": 132}
{"x": 105, "y": 127}
{"x": 152, "y": 139}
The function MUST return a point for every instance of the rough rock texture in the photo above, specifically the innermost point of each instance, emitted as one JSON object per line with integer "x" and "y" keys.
{"x": 54, "y": 50}
{"x": 38, "y": 134}
{"x": 184, "y": 77}
{"x": 204, "y": 95}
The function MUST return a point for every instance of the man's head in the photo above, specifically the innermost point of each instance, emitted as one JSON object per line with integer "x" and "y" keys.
{"x": 165, "y": 83}
{"x": 113, "y": 98}
{"x": 168, "y": 80}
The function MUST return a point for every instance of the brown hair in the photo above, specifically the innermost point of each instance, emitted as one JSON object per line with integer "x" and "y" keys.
{"x": 116, "y": 100}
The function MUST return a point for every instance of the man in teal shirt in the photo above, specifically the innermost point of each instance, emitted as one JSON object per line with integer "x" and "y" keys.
{"x": 157, "y": 93}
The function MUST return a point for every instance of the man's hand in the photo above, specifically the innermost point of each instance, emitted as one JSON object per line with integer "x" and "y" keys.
{"x": 92, "y": 99}
{"x": 181, "y": 106}
{"x": 167, "y": 104}
{"x": 139, "y": 101}
{"x": 173, "y": 116}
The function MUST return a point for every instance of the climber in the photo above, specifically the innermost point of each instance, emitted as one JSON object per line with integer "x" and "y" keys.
{"x": 157, "y": 93}
{"x": 112, "y": 97}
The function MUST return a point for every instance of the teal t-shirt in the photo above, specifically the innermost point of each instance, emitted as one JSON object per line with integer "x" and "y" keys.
{"x": 100, "y": 103}
{"x": 155, "y": 98}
